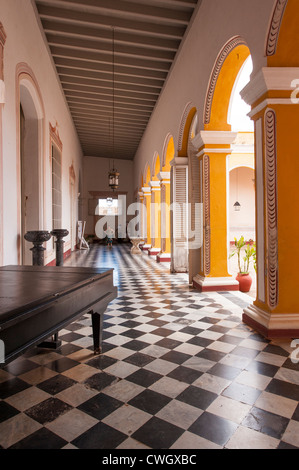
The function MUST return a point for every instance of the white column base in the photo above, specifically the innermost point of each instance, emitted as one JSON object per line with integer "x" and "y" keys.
{"x": 146, "y": 247}
{"x": 153, "y": 252}
{"x": 215, "y": 284}
{"x": 272, "y": 325}
{"x": 164, "y": 258}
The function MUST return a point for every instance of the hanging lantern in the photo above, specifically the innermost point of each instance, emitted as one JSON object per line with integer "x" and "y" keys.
{"x": 237, "y": 206}
{"x": 113, "y": 179}
{"x": 113, "y": 174}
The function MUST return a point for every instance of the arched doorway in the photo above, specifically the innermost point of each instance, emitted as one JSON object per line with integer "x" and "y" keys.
{"x": 241, "y": 179}
{"x": 180, "y": 194}
{"x": 31, "y": 163}
{"x": 164, "y": 177}
{"x": 215, "y": 146}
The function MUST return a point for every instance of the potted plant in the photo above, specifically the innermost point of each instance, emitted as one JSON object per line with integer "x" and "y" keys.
{"x": 244, "y": 278}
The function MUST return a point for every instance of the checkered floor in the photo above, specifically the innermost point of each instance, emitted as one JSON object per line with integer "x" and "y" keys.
{"x": 179, "y": 370}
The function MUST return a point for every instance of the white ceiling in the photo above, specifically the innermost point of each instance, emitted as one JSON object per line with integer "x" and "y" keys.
{"x": 147, "y": 36}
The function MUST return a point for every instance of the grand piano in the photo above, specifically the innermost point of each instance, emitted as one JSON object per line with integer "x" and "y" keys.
{"x": 37, "y": 302}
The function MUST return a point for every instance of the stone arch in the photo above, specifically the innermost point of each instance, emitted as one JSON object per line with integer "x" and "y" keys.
{"x": 275, "y": 27}
{"x": 31, "y": 151}
{"x": 223, "y": 77}
{"x": 147, "y": 175}
{"x": 168, "y": 152}
{"x": 156, "y": 166}
{"x": 184, "y": 130}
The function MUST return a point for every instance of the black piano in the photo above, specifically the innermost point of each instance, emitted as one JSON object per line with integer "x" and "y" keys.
{"x": 37, "y": 302}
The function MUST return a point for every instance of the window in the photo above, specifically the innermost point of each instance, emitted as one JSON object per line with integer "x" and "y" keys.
{"x": 107, "y": 206}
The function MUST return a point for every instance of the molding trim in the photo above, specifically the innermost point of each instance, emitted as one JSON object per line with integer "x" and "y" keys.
{"x": 146, "y": 191}
{"x": 214, "y": 138}
{"x": 227, "y": 151}
{"x": 179, "y": 161}
{"x": 273, "y": 35}
{"x": 55, "y": 137}
{"x": 207, "y": 215}
{"x": 270, "y": 78}
{"x": 224, "y": 53}
{"x": 186, "y": 112}
{"x": 155, "y": 185}
{"x": 271, "y": 325}
{"x": 213, "y": 284}
{"x": 164, "y": 258}
{"x": 271, "y": 206}
{"x": 164, "y": 176}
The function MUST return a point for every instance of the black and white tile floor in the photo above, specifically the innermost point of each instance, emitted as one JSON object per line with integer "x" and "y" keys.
{"x": 179, "y": 370}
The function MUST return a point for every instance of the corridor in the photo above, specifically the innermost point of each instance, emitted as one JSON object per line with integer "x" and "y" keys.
{"x": 179, "y": 370}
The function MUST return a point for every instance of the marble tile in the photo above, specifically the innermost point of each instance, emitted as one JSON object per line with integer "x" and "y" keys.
{"x": 276, "y": 404}
{"x": 291, "y": 435}
{"x": 229, "y": 409}
{"x": 169, "y": 387}
{"x": 80, "y": 372}
{"x": 76, "y": 395}
{"x": 245, "y": 438}
{"x": 27, "y": 398}
{"x": 17, "y": 428}
{"x": 127, "y": 419}
{"x": 38, "y": 375}
{"x": 71, "y": 424}
{"x": 179, "y": 413}
{"x": 190, "y": 441}
{"x": 124, "y": 390}
{"x": 212, "y": 383}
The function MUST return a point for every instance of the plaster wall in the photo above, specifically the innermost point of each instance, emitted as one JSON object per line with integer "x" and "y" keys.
{"x": 25, "y": 44}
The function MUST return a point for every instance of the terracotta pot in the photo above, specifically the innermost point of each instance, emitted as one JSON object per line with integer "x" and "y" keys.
{"x": 245, "y": 281}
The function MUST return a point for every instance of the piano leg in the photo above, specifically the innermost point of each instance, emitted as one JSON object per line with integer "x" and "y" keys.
{"x": 97, "y": 331}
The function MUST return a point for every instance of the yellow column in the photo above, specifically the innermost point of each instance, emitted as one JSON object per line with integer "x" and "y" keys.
{"x": 214, "y": 149}
{"x": 273, "y": 97}
{"x": 165, "y": 243}
{"x": 155, "y": 219}
{"x": 141, "y": 218}
{"x": 147, "y": 229}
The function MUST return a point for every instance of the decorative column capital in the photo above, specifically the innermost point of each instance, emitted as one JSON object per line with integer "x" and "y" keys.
{"x": 2, "y": 35}
{"x": 146, "y": 191}
{"x": 179, "y": 161}
{"x": 155, "y": 185}
{"x": 278, "y": 81}
{"x": 214, "y": 142}
{"x": 164, "y": 177}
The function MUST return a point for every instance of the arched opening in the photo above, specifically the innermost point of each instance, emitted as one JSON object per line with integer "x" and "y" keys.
{"x": 222, "y": 141}
{"x": 31, "y": 164}
{"x": 147, "y": 175}
{"x": 180, "y": 195}
{"x": 164, "y": 177}
{"x": 241, "y": 184}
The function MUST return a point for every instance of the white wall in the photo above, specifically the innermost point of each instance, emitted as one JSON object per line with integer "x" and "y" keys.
{"x": 242, "y": 188}
{"x": 95, "y": 179}
{"x": 25, "y": 44}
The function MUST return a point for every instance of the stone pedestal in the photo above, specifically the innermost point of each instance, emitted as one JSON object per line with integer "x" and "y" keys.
{"x": 38, "y": 238}
{"x": 59, "y": 234}
{"x": 135, "y": 250}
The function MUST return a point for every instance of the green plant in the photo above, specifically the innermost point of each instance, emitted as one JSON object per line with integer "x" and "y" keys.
{"x": 249, "y": 251}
